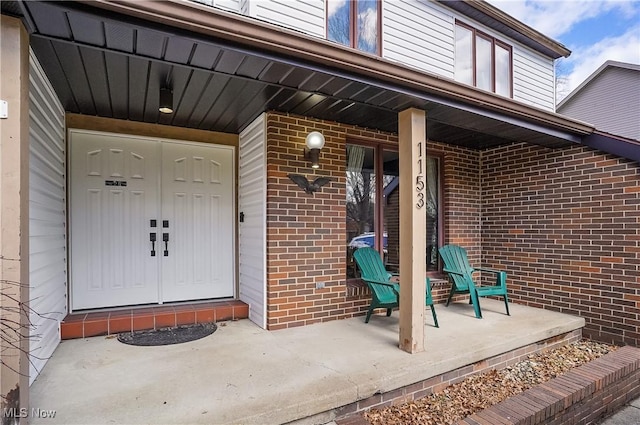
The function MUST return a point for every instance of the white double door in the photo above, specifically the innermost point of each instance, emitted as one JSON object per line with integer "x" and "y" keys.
{"x": 127, "y": 191}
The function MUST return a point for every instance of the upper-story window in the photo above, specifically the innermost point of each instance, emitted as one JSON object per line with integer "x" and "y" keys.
{"x": 355, "y": 23}
{"x": 482, "y": 61}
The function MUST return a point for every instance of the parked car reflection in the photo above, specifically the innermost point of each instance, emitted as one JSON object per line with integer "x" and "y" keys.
{"x": 366, "y": 239}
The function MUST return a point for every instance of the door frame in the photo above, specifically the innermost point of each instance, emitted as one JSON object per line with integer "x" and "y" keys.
{"x": 139, "y": 131}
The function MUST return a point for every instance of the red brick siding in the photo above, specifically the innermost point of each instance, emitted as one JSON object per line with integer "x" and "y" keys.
{"x": 306, "y": 234}
{"x": 565, "y": 223}
{"x": 462, "y": 204}
{"x": 461, "y": 197}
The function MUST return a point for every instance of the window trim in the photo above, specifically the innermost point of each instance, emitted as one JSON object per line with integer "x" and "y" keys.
{"x": 494, "y": 42}
{"x": 353, "y": 32}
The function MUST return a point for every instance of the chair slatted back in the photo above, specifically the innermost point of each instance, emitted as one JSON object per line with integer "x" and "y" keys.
{"x": 372, "y": 269}
{"x": 455, "y": 259}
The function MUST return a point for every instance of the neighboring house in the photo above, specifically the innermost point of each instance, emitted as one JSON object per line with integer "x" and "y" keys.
{"x": 609, "y": 99}
{"x": 92, "y": 171}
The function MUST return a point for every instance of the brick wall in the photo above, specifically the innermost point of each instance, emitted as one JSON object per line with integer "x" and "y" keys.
{"x": 461, "y": 196}
{"x": 565, "y": 223}
{"x": 462, "y": 204}
{"x": 306, "y": 234}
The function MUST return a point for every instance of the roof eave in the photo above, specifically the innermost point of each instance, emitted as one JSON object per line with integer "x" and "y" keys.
{"x": 516, "y": 25}
{"x": 593, "y": 76}
{"x": 286, "y": 43}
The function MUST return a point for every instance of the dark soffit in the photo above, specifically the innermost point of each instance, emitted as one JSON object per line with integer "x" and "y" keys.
{"x": 109, "y": 65}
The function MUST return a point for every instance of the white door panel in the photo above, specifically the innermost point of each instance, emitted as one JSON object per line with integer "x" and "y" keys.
{"x": 110, "y": 248}
{"x": 197, "y": 191}
{"x": 118, "y": 184}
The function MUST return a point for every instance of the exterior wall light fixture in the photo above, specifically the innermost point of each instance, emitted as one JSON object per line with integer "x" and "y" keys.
{"x": 166, "y": 101}
{"x": 314, "y": 142}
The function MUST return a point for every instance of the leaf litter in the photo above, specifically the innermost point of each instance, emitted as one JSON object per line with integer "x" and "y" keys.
{"x": 480, "y": 391}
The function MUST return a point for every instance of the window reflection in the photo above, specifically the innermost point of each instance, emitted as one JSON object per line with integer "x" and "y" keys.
{"x": 503, "y": 71}
{"x": 368, "y": 26}
{"x": 483, "y": 64}
{"x": 433, "y": 207}
{"x": 464, "y": 56}
{"x": 339, "y": 21}
{"x": 391, "y": 209}
{"x": 354, "y": 23}
{"x": 482, "y": 60}
{"x": 361, "y": 201}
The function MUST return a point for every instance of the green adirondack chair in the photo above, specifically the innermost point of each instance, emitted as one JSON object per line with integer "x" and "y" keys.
{"x": 456, "y": 265}
{"x": 384, "y": 292}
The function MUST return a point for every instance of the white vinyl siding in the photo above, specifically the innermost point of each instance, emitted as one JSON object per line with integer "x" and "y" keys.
{"x": 252, "y": 196}
{"x": 533, "y": 78}
{"x": 306, "y": 16}
{"x": 229, "y": 5}
{"x": 47, "y": 218}
{"x": 418, "y": 35}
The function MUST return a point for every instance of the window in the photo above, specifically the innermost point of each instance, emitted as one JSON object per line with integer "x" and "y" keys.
{"x": 482, "y": 61}
{"x": 354, "y": 23}
{"x": 435, "y": 234}
{"x": 372, "y": 203}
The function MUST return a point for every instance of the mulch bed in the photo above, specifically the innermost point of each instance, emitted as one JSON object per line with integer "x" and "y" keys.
{"x": 478, "y": 392}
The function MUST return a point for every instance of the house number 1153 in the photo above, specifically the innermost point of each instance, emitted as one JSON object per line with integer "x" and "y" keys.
{"x": 420, "y": 179}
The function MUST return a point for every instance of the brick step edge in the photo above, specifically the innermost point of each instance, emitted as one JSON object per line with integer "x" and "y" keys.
{"x": 583, "y": 395}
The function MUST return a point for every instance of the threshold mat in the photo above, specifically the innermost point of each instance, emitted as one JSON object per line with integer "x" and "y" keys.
{"x": 168, "y": 336}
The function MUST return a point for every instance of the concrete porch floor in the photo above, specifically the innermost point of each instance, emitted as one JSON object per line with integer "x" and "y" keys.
{"x": 245, "y": 375}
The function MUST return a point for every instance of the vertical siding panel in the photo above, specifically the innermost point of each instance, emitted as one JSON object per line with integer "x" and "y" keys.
{"x": 307, "y": 16}
{"x": 418, "y": 35}
{"x": 533, "y": 78}
{"x": 229, "y": 5}
{"x": 47, "y": 218}
{"x": 252, "y": 196}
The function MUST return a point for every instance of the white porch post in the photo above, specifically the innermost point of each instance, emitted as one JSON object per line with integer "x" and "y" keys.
{"x": 14, "y": 217}
{"x": 413, "y": 155}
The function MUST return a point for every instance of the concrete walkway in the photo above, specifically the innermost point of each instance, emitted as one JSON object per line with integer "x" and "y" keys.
{"x": 245, "y": 375}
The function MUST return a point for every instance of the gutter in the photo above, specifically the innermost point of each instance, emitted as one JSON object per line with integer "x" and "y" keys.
{"x": 619, "y": 146}
{"x": 308, "y": 50}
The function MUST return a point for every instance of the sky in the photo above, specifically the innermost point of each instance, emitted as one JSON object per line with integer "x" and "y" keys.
{"x": 594, "y": 30}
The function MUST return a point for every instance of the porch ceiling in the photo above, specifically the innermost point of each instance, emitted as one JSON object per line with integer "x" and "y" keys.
{"x": 110, "y": 65}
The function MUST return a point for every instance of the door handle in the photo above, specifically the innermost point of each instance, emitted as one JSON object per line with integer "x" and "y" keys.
{"x": 152, "y": 239}
{"x": 165, "y": 239}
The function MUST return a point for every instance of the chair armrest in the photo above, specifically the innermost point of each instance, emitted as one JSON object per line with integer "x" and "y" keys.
{"x": 480, "y": 269}
{"x": 393, "y": 285}
{"x": 501, "y": 276}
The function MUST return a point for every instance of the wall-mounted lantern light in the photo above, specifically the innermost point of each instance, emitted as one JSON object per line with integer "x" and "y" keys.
{"x": 315, "y": 142}
{"x": 166, "y": 101}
